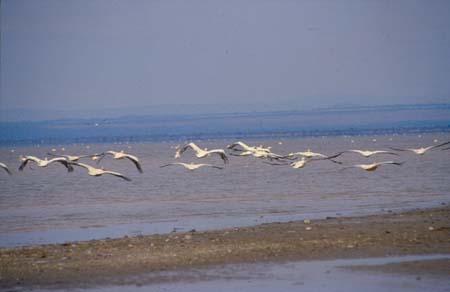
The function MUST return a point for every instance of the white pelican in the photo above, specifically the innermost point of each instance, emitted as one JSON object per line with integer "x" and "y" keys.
{"x": 99, "y": 171}
{"x": 422, "y": 150}
{"x": 200, "y": 153}
{"x": 368, "y": 153}
{"x": 375, "y": 165}
{"x": 2, "y": 165}
{"x": 246, "y": 147}
{"x": 307, "y": 154}
{"x": 73, "y": 158}
{"x": 302, "y": 162}
{"x": 191, "y": 166}
{"x": 120, "y": 155}
{"x": 261, "y": 154}
{"x": 44, "y": 162}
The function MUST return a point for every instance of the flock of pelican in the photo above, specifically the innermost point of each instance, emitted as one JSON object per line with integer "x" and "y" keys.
{"x": 295, "y": 159}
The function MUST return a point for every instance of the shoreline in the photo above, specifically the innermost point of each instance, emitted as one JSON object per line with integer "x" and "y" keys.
{"x": 106, "y": 261}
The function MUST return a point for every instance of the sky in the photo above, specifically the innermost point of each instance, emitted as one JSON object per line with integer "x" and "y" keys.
{"x": 100, "y": 54}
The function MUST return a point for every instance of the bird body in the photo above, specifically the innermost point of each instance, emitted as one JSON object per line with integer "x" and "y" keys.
{"x": 5, "y": 167}
{"x": 92, "y": 171}
{"x": 191, "y": 166}
{"x": 44, "y": 162}
{"x": 200, "y": 153}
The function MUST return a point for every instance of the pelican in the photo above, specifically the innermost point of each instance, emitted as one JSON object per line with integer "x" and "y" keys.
{"x": 307, "y": 154}
{"x": 422, "y": 150}
{"x": 191, "y": 166}
{"x": 200, "y": 153}
{"x": 261, "y": 154}
{"x": 120, "y": 155}
{"x": 246, "y": 147}
{"x": 72, "y": 158}
{"x": 302, "y": 162}
{"x": 375, "y": 165}
{"x": 2, "y": 165}
{"x": 368, "y": 153}
{"x": 99, "y": 171}
{"x": 44, "y": 162}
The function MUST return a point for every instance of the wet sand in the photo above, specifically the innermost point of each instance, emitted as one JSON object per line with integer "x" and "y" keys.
{"x": 112, "y": 261}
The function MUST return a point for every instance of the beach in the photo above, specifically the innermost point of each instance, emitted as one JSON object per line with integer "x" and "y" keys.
{"x": 114, "y": 261}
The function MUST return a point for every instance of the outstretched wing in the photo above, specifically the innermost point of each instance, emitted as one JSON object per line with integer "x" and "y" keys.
{"x": 23, "y": 164}
{"x": 213, "y": 166}
{"x": 2, "y": 165}
{"x": 64, "y": 162}
{"x": 398, "y": 149}
{"x": 391, "y": 162}
{"x": 135, "y": 160}
{"x": 277, "y": 164}
{"x": 222, "y": 154}
{"x": 181, "y": 150}
{"x": 118, "y": 175}
{"x": 169, "y": 164}
{"x": 440, "y": 145}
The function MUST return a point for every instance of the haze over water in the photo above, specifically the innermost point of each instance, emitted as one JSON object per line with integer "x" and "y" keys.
{"x": 45, "y": 205}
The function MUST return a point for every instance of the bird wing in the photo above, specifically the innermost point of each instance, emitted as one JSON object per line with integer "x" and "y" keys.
{"x": 2, "y": 165}
{"x": 63, "y": 161}
{"x": 135, "y": 160}
{"x": 181, "y": 150}
{"x": 277, "y": 164}
{"x": 442, "y": 144}
{"x": 398, "y": 149}
{"x": 102, "y": 155}
{"x": 174, "y": 163}
{"x": 25, "y": 162}
{"x": 117, "y": 174}
{"x": 210, "y": 165}
{"x": 81, "y": 165}
{"x": 222, "y": 154}
{"x": 390, "y": 162}
{"x": 238, "y": 143}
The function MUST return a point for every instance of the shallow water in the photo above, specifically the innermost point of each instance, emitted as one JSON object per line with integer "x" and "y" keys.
{"x": 331, "y": 275}
{"x": 49, "y": 205}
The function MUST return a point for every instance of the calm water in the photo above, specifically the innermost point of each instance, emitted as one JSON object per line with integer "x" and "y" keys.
{"x": 43, "y": 205}
{"x": 335, "y": 275}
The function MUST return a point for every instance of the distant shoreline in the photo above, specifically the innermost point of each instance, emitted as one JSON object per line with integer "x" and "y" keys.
{"x": 111, "y": 261}
{"x": 231, "y": 136}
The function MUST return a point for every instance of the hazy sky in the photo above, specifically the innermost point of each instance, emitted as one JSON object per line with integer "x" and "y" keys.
{"x": 102, "y": 53}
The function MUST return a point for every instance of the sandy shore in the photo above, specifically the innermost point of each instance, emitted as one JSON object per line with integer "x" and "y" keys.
{"x": 108, "y": 261}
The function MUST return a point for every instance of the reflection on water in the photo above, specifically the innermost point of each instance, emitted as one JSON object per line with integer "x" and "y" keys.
{"x": 51, "y": 205}
{"x": 331, "y": 275}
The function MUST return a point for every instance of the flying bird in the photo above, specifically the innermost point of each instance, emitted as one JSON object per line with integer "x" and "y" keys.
{"x": 44, "y": 162}
{"x": 422, "y": 150}
{"x": 246, "y": 147}
{"x": 191, "y": 166}
{"x": 120, "y": 155}
{"x": 302, "y": 162}
{"x": 368, "y": 153}
{"x": 2, "y": 165}
{"x": 200, "y": 153}
{"x": 73, "y": 158}
{"x": 99, "y": 171}
{"x": 307, "y": 154}
{"x": 374, "y": 166}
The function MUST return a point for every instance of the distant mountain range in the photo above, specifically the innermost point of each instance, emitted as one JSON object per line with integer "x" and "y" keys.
{"x": 337, "y": 120}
